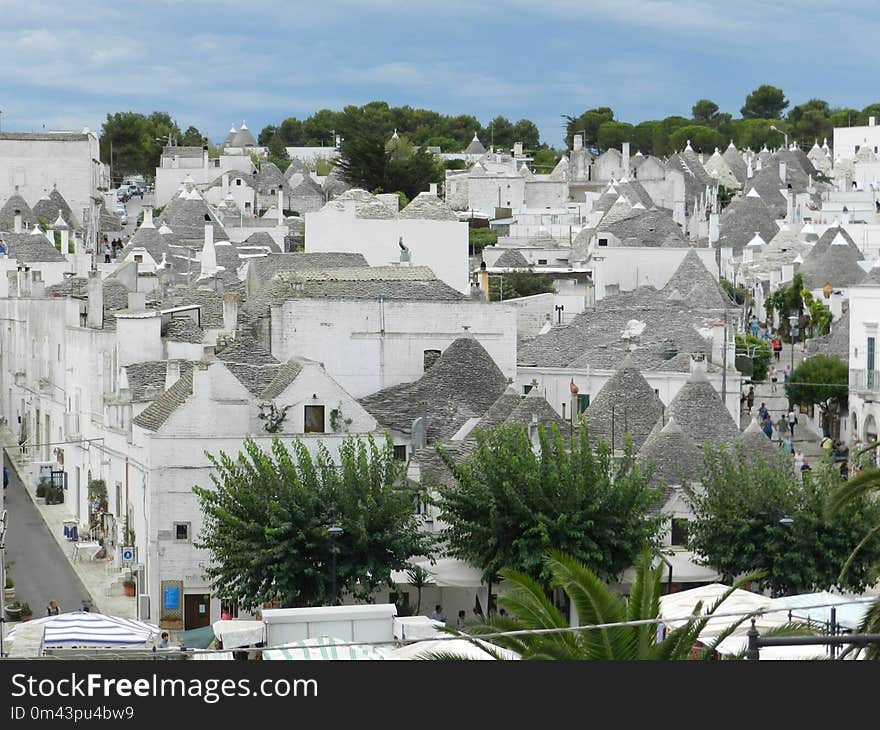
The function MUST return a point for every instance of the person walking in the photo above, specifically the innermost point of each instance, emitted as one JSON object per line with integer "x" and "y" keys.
{"x": 107, "y": 252}
{"x": 763, "y": 412}
{"x": 750, "y": 398}
{"x": 782, "y": 425}
{"x": 774, "y": 377}
{"x": 777, "y": 348}
{"x": 787, "y": 445}
{"x": 768, "y": 428}
{"x": 792, "y": 420}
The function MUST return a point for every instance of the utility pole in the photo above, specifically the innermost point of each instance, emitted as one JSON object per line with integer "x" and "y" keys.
{"x": 724, "y": 363}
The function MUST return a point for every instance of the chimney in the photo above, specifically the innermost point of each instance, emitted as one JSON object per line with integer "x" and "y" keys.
{"x": 65, "y": 241}
{"x": 224, "y": 185}
{"x": 230, "y": 311}
{"x": 872, "y": 121}
{"x": 782, "y": 172}
{"x": 148, "y": 217}
{"x": 12, "y": 283}
{"x": 25, "y": 288}
{"x": 205, "y": 156}
{"x": 95, "y": 289}
{"x": 38, "y": 286}
{"x": 517, "y": 149}
{"x": 137, "y": 301}
{"x": 209, "y": 253}
{"x": 578, "y": 142}
{"x": 624, "y": 163}
{"x": 484, "y": 281}
{"x": 16, "y": 226}
{"x": 172, "y": 373}
{"x": 714, "y": 229}
{"x": 432, "y": 188}
{"x": 280, "y": 206}
{"x": 201, "y": 380}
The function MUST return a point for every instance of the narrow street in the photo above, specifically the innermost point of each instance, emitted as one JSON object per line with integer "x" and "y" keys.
{"x": 34, "y": 560}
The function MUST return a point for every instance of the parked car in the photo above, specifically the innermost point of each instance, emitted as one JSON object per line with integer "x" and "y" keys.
{"x": 123, "y": 195}
{"x": 135, "y": 189}
{"x": 122, "y": 213}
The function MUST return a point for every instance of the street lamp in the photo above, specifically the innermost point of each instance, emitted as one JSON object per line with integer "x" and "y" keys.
{"x": 792, "y": 333}
{"x": 784, "y": 134}
{"x": 333, "y": 531}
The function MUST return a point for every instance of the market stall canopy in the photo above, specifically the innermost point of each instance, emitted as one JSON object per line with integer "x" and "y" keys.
{"x": 236, "y": 633}
{"x": 849, "y": 610}
{"x": 323, "y": 648}
{"x": 200, "y": 638}
{"x": 84, "y": 628}
{"x": 445, "y": 573}
{"x": 681, "y": 605}
{"x": 685, "y": 569}
{"x": 458, "y": 647}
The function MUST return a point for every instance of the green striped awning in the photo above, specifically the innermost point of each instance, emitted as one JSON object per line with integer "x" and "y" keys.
{"x": 324, "y": 648}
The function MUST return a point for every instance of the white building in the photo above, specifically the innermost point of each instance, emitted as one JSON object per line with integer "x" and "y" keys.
{"x": 864, "y": 373}
{"x": 178, "y": 163}
{"x": 849, "y": 140}
{"x": 35, "y": 162}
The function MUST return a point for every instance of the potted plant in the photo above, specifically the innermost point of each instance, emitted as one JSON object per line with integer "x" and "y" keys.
{"x": 13, "y": 611}
{"x": 9, "y": 589}
{"x": 129, "y": 585}
{"x": 26, "y": 613}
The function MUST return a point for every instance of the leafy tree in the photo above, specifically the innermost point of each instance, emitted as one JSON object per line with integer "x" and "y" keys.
{"x": 530, "y": 609}
{"x": 479, "y": 238}
{"x": 192, "y": 137}
{"x": 737, "y": 525}
{"x": 277, "y": 153}
{"x": 765, "y": 102}
{"x": 820, "y": 315}
{"x": 362, "y": 161}
{"x": 292, "y": 134}
{"x": 821, "y": 380}
{"x": 266, "y": 134}
{"x": 810, "y": 120}
{"x": 785, "y": 301}
{"x": 267, "y": 513}
{"x": 704, "y": 112}
{"x": 412, "y": 174}
{"x": 455, "y": 164}
{"x": 702, "y": 138}
{"x": 755, "y": 133}
{"x": 645, "y": 137}
{"x": 845, "y": 117}
{"x": 737, "y": 295}
{"x": 614, "y": 134}
{"x": 526, "y": 131}
{"x": 133, "y": 140}
{"x": 511, "y": 505}
{"x": 759, "y": 360}
{"x": 587, "y": 124}
{"x": 545, "y": 159}
{"x": 518, "y": 284}
{"x": 500, "y": 133}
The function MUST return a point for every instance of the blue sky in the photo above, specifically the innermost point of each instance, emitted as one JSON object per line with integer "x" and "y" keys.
{"x": 65, "y": 65}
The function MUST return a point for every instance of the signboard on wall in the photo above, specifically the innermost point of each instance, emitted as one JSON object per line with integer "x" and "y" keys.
{"x": 171, "y": 610}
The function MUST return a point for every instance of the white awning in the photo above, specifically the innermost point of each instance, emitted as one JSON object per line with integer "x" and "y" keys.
{"x": 239, "y": 633}
{"x": 325, "y": 648}
{"x": 446, "y": 573}
{"x": 85, "y": 628}
{"x": 458, "y": 647}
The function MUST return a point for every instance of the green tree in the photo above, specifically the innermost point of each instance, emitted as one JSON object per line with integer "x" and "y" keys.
{"x": 362, "y": 160}
{"x": 820, "y": 315}
{"x": 267, "y": 513}
{"x": 277, "y": 153}
{"x": 511, "y": 505}
{"x": 702, "y": 138}
{"x": 586, "y": 124}
{"x": 755, "y": 133}
{"x": 786, "y": 301}
{"x": 704, "y": 112}
{"x": 544, "y": 160}
{"x": 518, "y": 284}
{"x": 754, "y": 515}
{"x": 266, "y": 134}
{"x": 821, "y": 380}
{"x": 645, "y": 137}
{"x": 614, "y": 134}
{"x": 412, "y": 174}
{"x": 810, "y": 121}
{"x": 500, "y": 133}
{"x": 758, "y": 354}
{"x": 531, "y": 610}
{"x": 526, "y": 131}
{"x": 292, "y": 134}
{"x": 479, "y": 238}
{"x": 131, "y": 138}
{"x": 845, "y": 117}
{"x": 765, "y": 102}
{"x": 192, "y": 137}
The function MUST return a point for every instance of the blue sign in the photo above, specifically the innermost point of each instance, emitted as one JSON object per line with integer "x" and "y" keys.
{"x": 171, "y": 598}
{"x": 128, "y": 554}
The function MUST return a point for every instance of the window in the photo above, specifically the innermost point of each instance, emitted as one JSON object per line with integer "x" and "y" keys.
{"x": 59, "y": 355}
{"x": 181, "y": 531}
{"x": 679, "y": 531}
{"x": 526, "y": 389}
{"x": 238, "y": 181}
{"x": 314, "y": 419}
{"x": 657, "y": 392}
{"x": 429, "y": 357}
{"x": 542, "y": 261}
{"x": 118, "y": 499}
{"x": 583, "y": 402}
{"x": 603, "y": 241}
{"x": 139, "y": 258}
{"x": 228, "y": 610}
{"x": 272, "y": 191}
{"x": 871, "y": 362}
{"x": 400, "y": 452}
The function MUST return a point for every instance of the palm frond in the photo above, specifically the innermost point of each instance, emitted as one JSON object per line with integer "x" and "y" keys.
{"x": 864, "y": 483}
{"x": 864, "y": 541}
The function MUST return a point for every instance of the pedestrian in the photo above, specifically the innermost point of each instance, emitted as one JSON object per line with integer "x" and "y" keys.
{"x": 777, "y": 348}
{"x": 52, "y": 609}
{"x": 107, "y": 252}
{"x": 782, "y": 425}
{"x": 827, "y": 448}
{"x": 163, "y": 641}
{"x": 787, "y": 445}
{"x": 792, "y": 420}
{"x": 755, "y": 327}
{"x": 844, "y": 470}
{"x": 798, "y": 460}
{"x": 762, "y": 412}
{"x": 5, "y": 477}
{"x": 774, "y": 376}
{"x": 787, "y": 374}
{"x": 2, "y": 247}
{"x": 768, "y": 428}
{"x": 750, "y": 398}
{"x": 438, "y": 614}
{"x": 461, "y": 621}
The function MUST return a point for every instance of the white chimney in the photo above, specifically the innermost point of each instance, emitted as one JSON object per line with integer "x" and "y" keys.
{"x": 137, "y": 301}
{"x": 16, "y": 225}
{"x": 280, "y": 207}
{"x": 782, "y": 172}
{"x": 432, "y": 188}
{"x": 872, "y": 121}
{"x": 714, "y": 229}
{"x": 172, "y": 373}
{"x": 95, "y": 291}
{"x": 209, "y": 253}
{"x": 25, "y": 287}
{"x": 224, "y": 185}
{"x": 624, "y": 163}
{"x": 517, "y": 149}
{"x": 230, "y": 311}
{"x": 65, "y": 240}
{"x": 578, "y": 142}
{"x": 12, "y": 283}
{"x": 38, "y": 286}
{"x": 205, "y": 156}
{"x": 148, "y": 217}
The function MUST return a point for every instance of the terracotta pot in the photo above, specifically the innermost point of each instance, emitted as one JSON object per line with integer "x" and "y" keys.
{"x": 129, "y": 589}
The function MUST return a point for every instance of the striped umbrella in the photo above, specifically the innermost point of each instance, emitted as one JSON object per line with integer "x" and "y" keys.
{"x": 83, "y": 628}
{"x": 324, "y": 648}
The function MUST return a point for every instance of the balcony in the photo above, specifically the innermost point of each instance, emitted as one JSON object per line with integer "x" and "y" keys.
{"x": 864, "y": 381}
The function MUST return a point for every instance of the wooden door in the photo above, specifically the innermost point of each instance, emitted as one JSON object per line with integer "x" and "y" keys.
{"x": 197, "y": 611}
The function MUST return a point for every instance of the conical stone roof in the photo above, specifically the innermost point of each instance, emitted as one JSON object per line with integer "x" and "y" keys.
{"x": 739, "y": 221}
{"x": 696, "y": 285}
{"x": 698, "y": 409}
{"x": 7, "y": 213}
{"x": 674, "y": 455}
{"x": 755, "y": 443}
{"x": 626, "y": 403}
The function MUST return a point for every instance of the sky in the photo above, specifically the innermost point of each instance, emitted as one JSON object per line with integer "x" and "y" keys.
{"x": 216, "y": 63}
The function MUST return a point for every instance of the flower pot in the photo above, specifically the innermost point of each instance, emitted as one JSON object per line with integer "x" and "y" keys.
{"x": 8, "y": 594}
{"x": 13, "y": 613}
{"x": 129, "y": 589}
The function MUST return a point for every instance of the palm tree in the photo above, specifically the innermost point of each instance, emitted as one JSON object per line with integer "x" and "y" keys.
{"x": 597, "y": 604}
{"x": 418, "y": 579}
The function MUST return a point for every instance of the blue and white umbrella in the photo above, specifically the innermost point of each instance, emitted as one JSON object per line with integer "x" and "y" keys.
{"x": 83, "y": 628}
